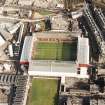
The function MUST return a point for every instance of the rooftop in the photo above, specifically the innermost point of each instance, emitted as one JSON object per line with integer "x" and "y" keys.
{"x": 53, "y": 67}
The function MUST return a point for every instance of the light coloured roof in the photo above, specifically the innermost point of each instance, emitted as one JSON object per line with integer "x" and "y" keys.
{"x": 2, "y": 41}
{"x": 3, "y": 103}
{"x": 6, "y": 35}
{"x": 83, "y": 51}
{"x": 26, "y": 48}
{"x": 55, "y": 69}
{"x": 51, "y": 66}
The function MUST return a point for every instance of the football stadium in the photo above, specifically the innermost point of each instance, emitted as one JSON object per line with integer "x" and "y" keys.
{"x": 53, "y": 54}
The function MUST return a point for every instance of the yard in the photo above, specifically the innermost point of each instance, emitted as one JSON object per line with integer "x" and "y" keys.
{"x": 55, "y": 51}
{"x": 43, "y": 92}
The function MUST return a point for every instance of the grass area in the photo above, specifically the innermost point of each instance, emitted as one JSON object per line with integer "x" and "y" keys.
{"x": 55, "y": 51}
{"x": 43, "y": 92}
{"x": 45, "y": 12}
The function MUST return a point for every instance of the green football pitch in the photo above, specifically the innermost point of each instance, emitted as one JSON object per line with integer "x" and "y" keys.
{"x": 43, "y": 92}
{"x": 55, "y": 51}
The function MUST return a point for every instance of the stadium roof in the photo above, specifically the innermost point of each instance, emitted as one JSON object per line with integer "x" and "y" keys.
{"x": 83, "y": 51}
{"x": 55, "y": 69}
{"x": 52, "y": 34}
{"x": 52, "y": 68}
{"x": 26, "y": 49}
